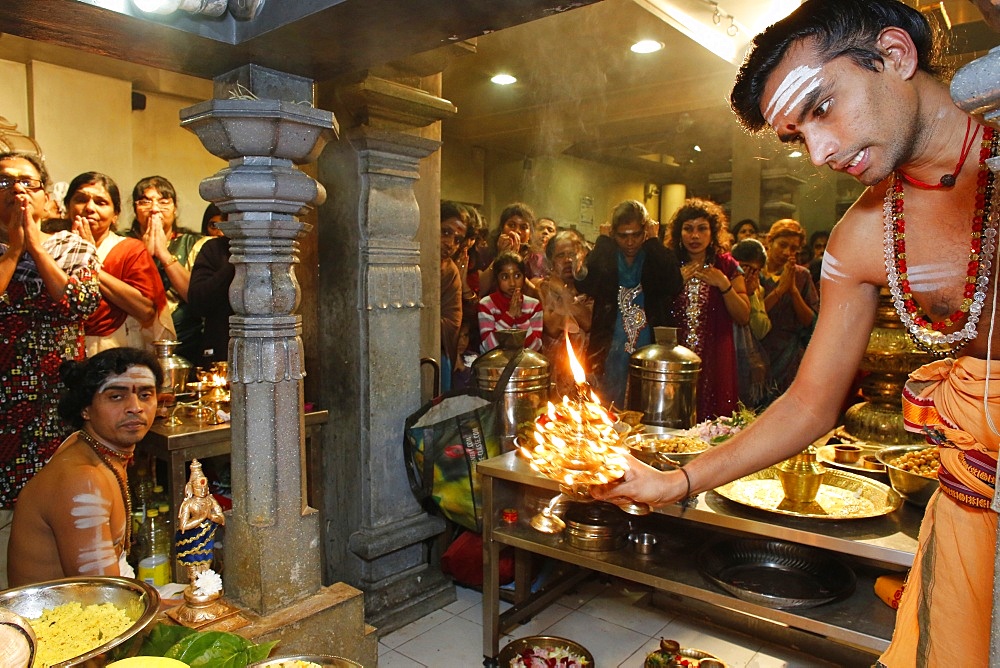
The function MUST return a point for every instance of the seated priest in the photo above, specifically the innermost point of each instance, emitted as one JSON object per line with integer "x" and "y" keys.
{"x": 74, "y": 517}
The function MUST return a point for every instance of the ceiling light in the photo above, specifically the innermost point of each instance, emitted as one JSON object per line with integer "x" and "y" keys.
{"x": 646, "y": 46}
{"x": 795, "y": 154}
{"x": 697, "y": 148}
{"x": 503, "y": 79}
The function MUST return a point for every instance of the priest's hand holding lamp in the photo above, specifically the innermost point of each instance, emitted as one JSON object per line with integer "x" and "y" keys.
{"x": 643, "y": 484}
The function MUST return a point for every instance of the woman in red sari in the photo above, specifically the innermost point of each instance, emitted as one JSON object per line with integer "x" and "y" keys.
{"x": 133, "y": 310}
{"x": 713, "y": 299}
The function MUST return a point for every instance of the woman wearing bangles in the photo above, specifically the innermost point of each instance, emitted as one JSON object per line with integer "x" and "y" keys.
{"x": 174, "y": 249}
{"x": 713, "y": 299}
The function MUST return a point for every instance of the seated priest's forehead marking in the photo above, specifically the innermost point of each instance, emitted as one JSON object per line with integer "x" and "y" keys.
{"x": 134, "y": 377}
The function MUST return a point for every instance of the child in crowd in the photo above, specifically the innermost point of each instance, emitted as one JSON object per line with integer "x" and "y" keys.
{"x": 508, "y": 307}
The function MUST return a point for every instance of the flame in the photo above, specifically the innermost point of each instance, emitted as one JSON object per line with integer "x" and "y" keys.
{"x": 578, "y": 373}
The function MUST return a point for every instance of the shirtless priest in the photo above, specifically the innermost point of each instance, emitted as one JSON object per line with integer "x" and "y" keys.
{"x": 74, "y": 517}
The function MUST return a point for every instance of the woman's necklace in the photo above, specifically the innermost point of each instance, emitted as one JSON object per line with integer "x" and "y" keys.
{"x": 929, "y": 336}
{"x": 102, "y": 451}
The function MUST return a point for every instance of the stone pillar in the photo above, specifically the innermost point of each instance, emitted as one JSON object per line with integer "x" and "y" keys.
{"x": 976, "y": 89}
{"x": 264, "y": 122}
{"x": 377, "y": 537}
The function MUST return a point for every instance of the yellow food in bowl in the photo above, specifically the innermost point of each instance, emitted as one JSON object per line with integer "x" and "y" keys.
{"x": 924, "y": 463}
{"x": 71, "y": 629}
{"x": 679, "y": 445}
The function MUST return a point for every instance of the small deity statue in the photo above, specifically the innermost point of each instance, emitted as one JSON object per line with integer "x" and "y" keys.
{"x": 197, "y": 522}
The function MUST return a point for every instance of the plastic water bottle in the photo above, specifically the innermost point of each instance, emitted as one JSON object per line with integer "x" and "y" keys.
{"x": 154, "y": 568}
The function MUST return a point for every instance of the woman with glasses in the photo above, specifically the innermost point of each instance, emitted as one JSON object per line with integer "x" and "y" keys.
{"x": 48, "y": 287}
{"x": 633, "y": 279}
{"x": 154, "y": 201}
{"x": 133, "y": 311}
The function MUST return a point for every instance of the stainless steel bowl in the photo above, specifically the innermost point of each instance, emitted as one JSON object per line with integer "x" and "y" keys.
{"x": 324, "y": 660}
{"x": 653, "y": 449}
{"x": 912, "y": 487}
{"x": 139, "y": 600}
{"x": 515, "y": 647}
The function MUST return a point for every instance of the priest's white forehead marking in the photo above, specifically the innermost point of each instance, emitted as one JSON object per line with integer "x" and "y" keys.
{"x": 134, "y": 376}
{"x": 802, "y": 80}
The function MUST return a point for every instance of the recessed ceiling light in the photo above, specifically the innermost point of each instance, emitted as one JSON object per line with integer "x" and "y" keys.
{"x": 647, "y": 46}
{"x": 503, "y": 79}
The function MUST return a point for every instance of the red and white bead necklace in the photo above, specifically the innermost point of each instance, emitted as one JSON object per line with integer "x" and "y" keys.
{"x": 928, "y": 335}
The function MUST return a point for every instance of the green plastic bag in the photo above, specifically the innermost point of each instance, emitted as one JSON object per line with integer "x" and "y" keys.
{"x": 445, "y": 439}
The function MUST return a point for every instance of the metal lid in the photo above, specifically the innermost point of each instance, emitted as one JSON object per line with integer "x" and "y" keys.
{"x": 656, "y": 357}
{"x": 592, "y": 515}
{"x": 490, "y": 365}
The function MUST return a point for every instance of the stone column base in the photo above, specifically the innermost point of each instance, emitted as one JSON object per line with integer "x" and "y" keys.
{"x": 406, "y": 597}
{"x": 331, "y": 621}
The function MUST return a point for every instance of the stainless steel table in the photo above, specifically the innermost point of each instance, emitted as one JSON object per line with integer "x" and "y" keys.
{"x": 873, "y": 546}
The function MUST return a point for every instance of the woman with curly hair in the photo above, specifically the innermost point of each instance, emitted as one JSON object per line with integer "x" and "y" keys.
{"x": 713, "y": 299}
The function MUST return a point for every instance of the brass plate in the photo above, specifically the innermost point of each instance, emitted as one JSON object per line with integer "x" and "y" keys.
{"x": 842, "y": 496}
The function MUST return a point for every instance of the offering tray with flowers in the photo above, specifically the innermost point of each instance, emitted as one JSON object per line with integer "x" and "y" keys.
{"x": 841, "y": 496}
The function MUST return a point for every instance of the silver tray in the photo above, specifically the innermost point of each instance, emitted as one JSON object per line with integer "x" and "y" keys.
{"x": 842, "y": 496}
{"x": 776, "y": 574}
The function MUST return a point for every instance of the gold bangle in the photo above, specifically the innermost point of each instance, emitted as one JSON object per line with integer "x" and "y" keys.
{"x": 173, "y": 258}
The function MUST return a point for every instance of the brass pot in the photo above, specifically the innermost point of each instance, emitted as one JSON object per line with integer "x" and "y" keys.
{"x": 801, "y": 476}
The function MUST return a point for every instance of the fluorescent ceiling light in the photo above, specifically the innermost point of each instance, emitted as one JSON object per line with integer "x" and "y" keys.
{"x": 646, "y": 46}
{"x": 503, "y": 79}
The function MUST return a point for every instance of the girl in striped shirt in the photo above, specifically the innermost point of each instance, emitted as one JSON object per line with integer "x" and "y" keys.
{"x": 508, "y": 307}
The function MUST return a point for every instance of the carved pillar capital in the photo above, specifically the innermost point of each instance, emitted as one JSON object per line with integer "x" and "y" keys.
{"x": 381, "y": 103}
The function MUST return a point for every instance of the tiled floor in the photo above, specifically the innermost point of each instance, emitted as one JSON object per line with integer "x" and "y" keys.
{"x": 612, "y": 619}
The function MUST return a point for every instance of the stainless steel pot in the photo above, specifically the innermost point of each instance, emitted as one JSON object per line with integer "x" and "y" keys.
{"x": 527, "y": 392}
{"x": 663, "y": 382}
{"x": 596, "y": 526}
{"x": 176, "y": 369}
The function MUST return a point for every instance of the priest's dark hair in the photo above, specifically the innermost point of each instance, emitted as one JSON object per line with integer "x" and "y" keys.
{"x": 837, "y": 28}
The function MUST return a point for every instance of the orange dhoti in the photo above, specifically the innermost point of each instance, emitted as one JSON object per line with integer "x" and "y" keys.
{"x": 944, "y": 615}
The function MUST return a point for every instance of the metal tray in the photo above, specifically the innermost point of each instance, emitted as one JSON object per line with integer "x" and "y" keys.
{"x": 776, "y": 574}
{"x": 842, "y": 496}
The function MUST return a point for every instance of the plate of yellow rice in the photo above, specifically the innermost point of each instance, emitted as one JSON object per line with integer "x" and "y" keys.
{"x": 77, "y": 619}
